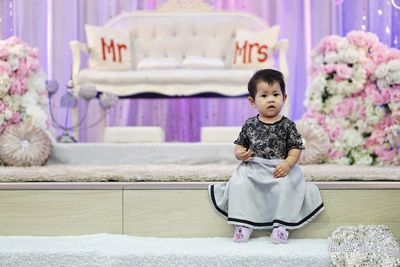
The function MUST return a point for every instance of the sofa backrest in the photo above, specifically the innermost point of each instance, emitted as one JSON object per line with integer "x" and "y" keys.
{"x": 181, "y": 34}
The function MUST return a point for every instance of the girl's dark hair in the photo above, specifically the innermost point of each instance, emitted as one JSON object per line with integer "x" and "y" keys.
{"x": 269, "y": 76}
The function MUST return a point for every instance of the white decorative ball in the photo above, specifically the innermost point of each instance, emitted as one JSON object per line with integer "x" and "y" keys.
{"x": 316, "y": 142}
{"x": 25, "y": 145}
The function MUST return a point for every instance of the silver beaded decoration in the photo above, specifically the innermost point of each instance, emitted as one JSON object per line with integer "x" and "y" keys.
{"x": 364, "y": 245}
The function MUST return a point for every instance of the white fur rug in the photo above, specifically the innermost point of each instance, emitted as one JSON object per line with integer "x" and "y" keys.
{"x": 122, "y": 250}
{"x": 184, "y": 173}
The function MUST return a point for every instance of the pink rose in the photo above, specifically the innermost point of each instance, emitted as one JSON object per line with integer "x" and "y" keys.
{"x": 22, "y": 71}
{"x": 32, "y": 64}
{"x": 380, "y": 97}
{"x": 378, "y": 53}
{"x": 362, "y": 39}
{"x": 334, "y": 154}
{"x": 328, "y": 44}
{"x": 395, "y": 94}
{"x": 370, "y": 67}
{"x": 345, "y": 108}
{"x": 328, "y": 68}
{"x": 16, "y": 88}
{"x": 383, "y": 154}
{"x": 3, "y": 53}
{"x": 15, "y": 118}
{"x": 377, "y": 137}
{"x": 2, "y": 106}
{"x": 335, "y": 133}
{"x": 343, "y": 72}
{"x": 392, "y": 54}
{"x": 5, "y": 67}
{"x": 34, "y": 53}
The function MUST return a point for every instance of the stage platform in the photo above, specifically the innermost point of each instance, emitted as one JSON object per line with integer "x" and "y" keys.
{"x": 153, "y": 196}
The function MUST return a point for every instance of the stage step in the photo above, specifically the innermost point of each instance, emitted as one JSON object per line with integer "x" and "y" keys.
{"x": 173, "y": 209}
{"x": 123, "y": 250}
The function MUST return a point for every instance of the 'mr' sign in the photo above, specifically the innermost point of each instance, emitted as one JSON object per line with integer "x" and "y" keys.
{"x": 112, "y": 49}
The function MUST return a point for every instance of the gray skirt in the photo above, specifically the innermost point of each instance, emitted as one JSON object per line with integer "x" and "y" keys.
{"x": 254, "y": 198}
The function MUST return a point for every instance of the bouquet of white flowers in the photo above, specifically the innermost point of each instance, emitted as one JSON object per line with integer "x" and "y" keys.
{"x": 23, "y": 96}
{"x": 354, "y": 94}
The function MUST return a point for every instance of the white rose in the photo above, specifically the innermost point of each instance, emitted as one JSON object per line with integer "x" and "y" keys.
{"x": 29, "y": 99}
{"x": 381, "y": 71}
{"x": 393, "y": 65}
{"x": 349, "y": 55}
{"x": 36, "y": 82}
{"x": 7, "y": 113}
{"x": 13, "y": 61}
{"x": 37, "y": 116}
{"x": 331, "y": 57}
{"x": 352, "y": 138}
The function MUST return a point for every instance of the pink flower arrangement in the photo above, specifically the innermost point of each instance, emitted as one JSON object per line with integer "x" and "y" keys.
{"x": 22, "y": 85}
{"x": 354, "y": 95}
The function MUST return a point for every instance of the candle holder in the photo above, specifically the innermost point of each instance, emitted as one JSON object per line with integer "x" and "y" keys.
{"x": 69, "y": 101}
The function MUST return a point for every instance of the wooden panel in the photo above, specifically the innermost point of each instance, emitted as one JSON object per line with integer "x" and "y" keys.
{"x": 60, "y": 212}
{"x": 172, "y": 213}
{"x": 188, "y": 213}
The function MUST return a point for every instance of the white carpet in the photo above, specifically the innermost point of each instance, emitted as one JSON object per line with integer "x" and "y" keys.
{"x": 183, "y": 173}
{"x": 123, "y": 250}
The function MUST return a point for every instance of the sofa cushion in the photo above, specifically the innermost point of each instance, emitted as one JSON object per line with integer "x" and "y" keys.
{"x": 173, "y": 76}
{"x": 230, "y": 82}
{"x": 108, "y": 48}
{"x": 154, "y": 63}
{"x": 253, "y": 49}
{"x": 193, "y": 62}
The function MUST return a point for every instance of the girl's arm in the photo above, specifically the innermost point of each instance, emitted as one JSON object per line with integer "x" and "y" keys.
{"x": 284, "y": 168}
{"x": 242, "y": 153}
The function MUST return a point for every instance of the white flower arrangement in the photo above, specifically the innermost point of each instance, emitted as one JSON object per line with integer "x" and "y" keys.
{"x": 23, "y": 96}
{"x": 354, "y": 95}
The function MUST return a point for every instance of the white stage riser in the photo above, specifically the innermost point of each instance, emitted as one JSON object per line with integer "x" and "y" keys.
{"x": 172, "y": 212}
{"x": 123, "y": 250}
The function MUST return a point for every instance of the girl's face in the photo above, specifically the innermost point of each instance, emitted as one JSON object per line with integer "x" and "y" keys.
{"x": 269, "y": 101}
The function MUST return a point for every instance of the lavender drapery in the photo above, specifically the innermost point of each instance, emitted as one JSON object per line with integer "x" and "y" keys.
{"x": 50, "y": 25}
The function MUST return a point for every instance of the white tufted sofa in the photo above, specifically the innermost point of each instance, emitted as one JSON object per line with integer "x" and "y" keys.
{"x": 178, "y": 34}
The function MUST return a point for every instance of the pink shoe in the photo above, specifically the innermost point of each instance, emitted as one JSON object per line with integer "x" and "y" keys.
{"x": 242, "y": 234}
{"x": 280, "y": 235}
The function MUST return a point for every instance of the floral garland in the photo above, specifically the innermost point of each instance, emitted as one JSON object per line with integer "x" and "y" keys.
{"x": 23, "y": 96}
{"x": 354, "y": 95}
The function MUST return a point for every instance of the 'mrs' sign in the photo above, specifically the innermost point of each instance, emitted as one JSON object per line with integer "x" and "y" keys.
{"x": 112, "y": 49}
{"x": 250, "y": 52}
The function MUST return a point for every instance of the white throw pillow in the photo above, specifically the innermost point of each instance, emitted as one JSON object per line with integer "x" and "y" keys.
{"x": 153, "y": 63}
{"x": 254, "y": 49}
{"x": 108, "y": 48}
{"x": 193, "y": 62}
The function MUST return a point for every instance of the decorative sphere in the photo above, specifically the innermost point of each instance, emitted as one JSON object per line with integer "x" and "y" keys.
{"x": 88, "y": 91}
{"x": 69, "y": 100}
{"x": 51, "y": 87}
{"x": 107, "y": 100}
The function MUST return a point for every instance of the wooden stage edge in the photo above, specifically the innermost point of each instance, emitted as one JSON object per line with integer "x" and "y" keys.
{"x": 348, "y": 185}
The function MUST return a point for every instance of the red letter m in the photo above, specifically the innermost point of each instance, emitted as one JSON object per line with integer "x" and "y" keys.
{"x": 240, "y": 51}
{"x": 110, "y": 49}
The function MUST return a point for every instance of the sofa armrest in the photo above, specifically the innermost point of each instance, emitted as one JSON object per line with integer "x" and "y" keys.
{"x": 283, "y": 45}
{"x": 76, "y": 48}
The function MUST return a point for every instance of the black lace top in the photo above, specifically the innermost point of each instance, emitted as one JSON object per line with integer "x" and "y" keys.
{"x": 269, "y": 141}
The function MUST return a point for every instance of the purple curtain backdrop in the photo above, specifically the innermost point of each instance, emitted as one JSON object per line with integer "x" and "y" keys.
{"x": 50, "y": 25}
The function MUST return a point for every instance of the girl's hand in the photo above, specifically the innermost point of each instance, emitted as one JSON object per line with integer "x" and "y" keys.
{"x": 243, "y": 154}
{"x": 282, "y": 170}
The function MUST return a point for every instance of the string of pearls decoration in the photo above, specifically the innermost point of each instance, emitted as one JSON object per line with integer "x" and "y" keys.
{"x": 364, "y": 245}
